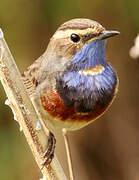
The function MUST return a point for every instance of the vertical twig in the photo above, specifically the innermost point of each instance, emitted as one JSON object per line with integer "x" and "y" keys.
{"x": 68, "y": 151}
{"x": 25, "y": 112}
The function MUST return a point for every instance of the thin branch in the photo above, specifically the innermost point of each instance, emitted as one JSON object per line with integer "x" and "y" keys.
{"x": 68, "y": 151}
{"x": 25, "y": 113}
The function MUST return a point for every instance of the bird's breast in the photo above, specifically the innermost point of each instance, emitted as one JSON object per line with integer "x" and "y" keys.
{"x": 80, "y": 97}
{"x": 56, "y": 108}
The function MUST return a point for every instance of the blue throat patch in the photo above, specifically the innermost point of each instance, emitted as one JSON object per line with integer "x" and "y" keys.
{"x": 90, "y": 55}
{"x": 82, "y": 91}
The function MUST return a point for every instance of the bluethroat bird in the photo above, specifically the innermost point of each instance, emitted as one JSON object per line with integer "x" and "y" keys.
{"x": 73, "y": 81}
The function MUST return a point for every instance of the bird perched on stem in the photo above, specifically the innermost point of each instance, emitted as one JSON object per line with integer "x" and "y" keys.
{"x": 73, "y": 81}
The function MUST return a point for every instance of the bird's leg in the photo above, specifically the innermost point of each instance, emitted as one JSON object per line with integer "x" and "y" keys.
{"x": 49, "y": 153}
{"x": 68, "y": 151}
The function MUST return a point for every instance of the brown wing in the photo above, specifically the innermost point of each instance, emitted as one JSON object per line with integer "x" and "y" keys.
{"x": 30, "y": 75}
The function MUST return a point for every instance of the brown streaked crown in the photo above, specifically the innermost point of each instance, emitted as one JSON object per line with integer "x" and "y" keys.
{"x": 80, "y": 23}
{"x": 82, "y": 27}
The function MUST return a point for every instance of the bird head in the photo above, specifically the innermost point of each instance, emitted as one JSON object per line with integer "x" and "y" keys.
{"x": 77, "y": 44}
{"x": 74, "y": 34}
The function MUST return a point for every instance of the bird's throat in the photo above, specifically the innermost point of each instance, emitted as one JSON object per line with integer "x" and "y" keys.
{"x": 89, "y": 56}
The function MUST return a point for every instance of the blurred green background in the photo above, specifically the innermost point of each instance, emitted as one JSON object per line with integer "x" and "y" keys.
{"x": 108, "y": 149}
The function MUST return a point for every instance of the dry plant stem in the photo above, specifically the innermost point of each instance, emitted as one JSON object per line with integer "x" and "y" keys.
{"x": 25, "y": 112}
{"x": 68, "y": 151}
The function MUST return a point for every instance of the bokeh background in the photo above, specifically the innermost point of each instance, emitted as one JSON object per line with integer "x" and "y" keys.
{"x": 108, "y": 149}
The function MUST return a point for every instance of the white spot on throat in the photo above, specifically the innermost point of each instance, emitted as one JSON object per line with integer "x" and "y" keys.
{"x": 93, "y": 71}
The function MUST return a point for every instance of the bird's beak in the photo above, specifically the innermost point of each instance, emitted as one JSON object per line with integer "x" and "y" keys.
{"x": 103, "y": 35}
{"x": 106, "y": 34}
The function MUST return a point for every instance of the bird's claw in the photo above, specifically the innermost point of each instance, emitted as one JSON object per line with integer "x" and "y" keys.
{"x": 49, "y": 153}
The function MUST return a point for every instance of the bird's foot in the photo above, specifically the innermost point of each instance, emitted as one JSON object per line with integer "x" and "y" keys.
{"x": 49, "y": 153}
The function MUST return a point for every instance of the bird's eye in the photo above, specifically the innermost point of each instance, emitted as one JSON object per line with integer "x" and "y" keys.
{"x": 75, "y": 38}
